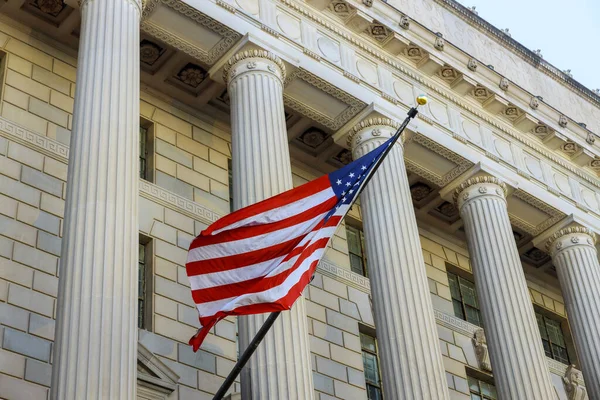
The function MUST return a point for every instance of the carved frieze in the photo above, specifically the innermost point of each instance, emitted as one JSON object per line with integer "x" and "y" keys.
{"x": 572, "y": 381}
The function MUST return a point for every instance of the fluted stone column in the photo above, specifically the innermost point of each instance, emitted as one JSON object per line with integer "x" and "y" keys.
{"x": 516, "y": 352}
{"x": 95, "y": 351}
{"x": 576, "y": 260}
{"x": 411, "y": 361}
{"x": 281, "y": 367}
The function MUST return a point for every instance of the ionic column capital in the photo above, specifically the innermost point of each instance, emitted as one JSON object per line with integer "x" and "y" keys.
{"x": 372, "y": 129}
{"x": 570, "y": 237}
{"x": 139, "y": 3}
{"x": 253, "y": 60}
{"x": 478, "y": 187}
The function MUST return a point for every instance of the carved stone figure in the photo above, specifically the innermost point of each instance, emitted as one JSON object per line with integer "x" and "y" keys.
{"x": 481, "y": 350}
{"x": 472, "y": 65}
{"x": 572, "y": 384}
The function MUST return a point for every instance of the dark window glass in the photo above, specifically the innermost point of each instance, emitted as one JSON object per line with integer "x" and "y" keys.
{"x": 371, "y": 366}
{"x": 141, "y": 286}
{"x": 356, "y": 248}
{"x": 552, "y": 338}
{"x": 481, "y": 390}
{"x": 230, "y": 172}
{"x": 143, "y": 151}
{"x": 464, "y": 299}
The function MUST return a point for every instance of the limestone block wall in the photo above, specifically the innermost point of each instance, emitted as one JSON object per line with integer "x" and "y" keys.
{"x": 189, "y": 190}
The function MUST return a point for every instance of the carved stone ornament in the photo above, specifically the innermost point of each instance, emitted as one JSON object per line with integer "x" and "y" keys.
{"x": 591, "y": 138}
{"x": 368, "y": 3}
{"x": 52, "y": 7}
{"x": 472, "y": 64}
{"x": 534, "y": 103}
{"x": 481, "y": 350}
{"x": 504, "y": 84}
{"x": 372, "y": 122}
{"x": 577, "y": 233}
{"x": 404, "y": 22}
{"x": 248, "y": 54}
{"x": 480, "y": 180}
{"x": 571, "y": 380}
{"x": 439, "y": 43}
{"x": 562, "y": 121}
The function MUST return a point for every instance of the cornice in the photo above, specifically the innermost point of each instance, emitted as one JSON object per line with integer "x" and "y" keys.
{"x": 247, "y": 54}
{"x": 570, "y": 231}
{"x": 478, "y": 180}
{"x": 438, "y": 89}
{"x": 526, "y": 54}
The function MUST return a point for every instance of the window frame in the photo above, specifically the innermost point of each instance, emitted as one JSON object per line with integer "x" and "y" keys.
{"x": 363, "y": 330}
{"x": 564, "y": 332}
{"x": 363, "y": 256}
{"x": 148, "y": 314}
{"x": 480, "y": 378}
{"x": 461, "y": 276}
{"x": 149, "y": 170}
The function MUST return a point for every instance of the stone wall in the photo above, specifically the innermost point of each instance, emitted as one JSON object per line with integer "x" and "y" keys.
{"x": 190, "y": 190}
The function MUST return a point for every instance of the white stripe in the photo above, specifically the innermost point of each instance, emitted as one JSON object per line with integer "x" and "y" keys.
{"x": 268, "y": 296}
{"x": 266, "y": 268}
{"x": 246, "y": 245}
{"x": 283, "y": 212}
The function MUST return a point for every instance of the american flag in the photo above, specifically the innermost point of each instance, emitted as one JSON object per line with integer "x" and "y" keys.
{"x": 260, "y": 258}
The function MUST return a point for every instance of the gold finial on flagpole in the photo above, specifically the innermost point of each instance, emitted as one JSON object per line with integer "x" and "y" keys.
{"x": 421, "y": 100}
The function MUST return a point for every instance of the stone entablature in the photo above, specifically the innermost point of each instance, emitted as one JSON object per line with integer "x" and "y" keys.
{"x": 490, "y": 136}
{"x": 360, "y": 60}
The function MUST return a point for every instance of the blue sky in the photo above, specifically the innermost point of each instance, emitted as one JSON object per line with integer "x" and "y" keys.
{"x": 567, "y": 32}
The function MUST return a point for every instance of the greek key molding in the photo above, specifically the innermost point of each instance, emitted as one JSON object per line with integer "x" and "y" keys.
{"x": 60, "y": 152}
{"x": 345, "y": 276}
{"x": 534, "y": 230}
{"x": 43, "y": 144}
{"x": 244, "y": 55}
{"x": 455, "y": 324}
{"x": 177, "y": 203}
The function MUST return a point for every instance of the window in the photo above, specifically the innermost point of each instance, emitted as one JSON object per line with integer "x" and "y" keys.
{"x": 230, "y": 173}
{"x": 464, "y": 299}
{"x": 371, "y": 366}
{"x": 141, "y": 285}
{"x": 552, "y": 338}
{"x": 481, "y": 390}
{"x": 144, "y": 283}
{"x": 356, "y": 248}
{"x": 143, "y": 152}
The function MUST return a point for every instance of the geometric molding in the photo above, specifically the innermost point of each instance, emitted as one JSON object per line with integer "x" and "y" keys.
{"x": 229, "y": 36}
{"x": 345, "y": 276}
{"x": 43, "y": 144}
{"x": 155, "y": 381}
{"x": 354, "y": 106}
{"x": 555, "y": 215}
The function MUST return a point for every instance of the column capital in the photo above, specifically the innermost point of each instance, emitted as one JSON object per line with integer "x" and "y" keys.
{"x": 569, "y": 237}
{"x": 139, "y": 3}
{"x": 477, "y": 187}
{"x": 379, "y": 128}
{"x": 256, "y": 60}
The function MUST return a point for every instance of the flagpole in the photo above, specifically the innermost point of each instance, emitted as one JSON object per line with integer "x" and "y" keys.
{"x": 260, "y": 335}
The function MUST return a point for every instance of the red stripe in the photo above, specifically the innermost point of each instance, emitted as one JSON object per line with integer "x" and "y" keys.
{"x": 255, "y": 285}
{"x": 250, "y": 258}
{"x": 308, "y": 189}
{"x": 256, "y": 230}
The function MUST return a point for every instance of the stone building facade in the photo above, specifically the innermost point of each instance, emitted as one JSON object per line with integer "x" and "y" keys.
{"x": 468, "y": 270}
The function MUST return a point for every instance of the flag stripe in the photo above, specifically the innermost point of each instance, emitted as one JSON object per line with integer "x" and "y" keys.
{"x": 280, "y": 200}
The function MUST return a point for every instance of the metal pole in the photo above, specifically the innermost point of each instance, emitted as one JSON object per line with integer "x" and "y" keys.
{"x": 260, "y": 335}
{"x": 246, "y": 355}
